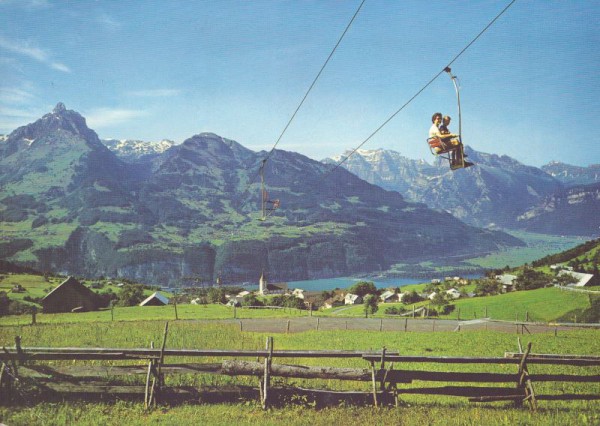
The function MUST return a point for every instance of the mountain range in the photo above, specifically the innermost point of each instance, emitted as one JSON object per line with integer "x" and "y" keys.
{"x": 70, "y": 204}
{"x": 499, "y": 192}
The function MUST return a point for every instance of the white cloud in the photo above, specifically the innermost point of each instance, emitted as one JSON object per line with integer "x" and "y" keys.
{"x": 104, "y": 117}
{"x": 12, "y": 95}
{"x": 60, "y": 67}
{"x": 108, "y": 21}
{"x": 155, "y": 93}
{"x": 25, "y": 48}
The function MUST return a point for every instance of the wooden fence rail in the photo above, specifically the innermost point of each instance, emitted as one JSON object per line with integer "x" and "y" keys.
{"x": 26, "y": 365}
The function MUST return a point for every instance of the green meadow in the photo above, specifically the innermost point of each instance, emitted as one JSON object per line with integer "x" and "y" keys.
{"x": 413, "y": 410}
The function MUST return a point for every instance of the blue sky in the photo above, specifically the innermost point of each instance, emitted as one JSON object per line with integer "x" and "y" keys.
{"x": 149, "y": 70}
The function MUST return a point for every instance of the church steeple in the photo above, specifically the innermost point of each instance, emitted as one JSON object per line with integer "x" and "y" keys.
{"x": 262, "y": 283}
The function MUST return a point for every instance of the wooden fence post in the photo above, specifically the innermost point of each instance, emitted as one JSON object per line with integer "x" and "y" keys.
{"x": 525, "y": 382}
{"x": 112, "y": 311}
{"x": 267, "y": 374}
{"x": 381, "y": 325}
{"x": 382, "y": 367}
{"x": 288, "y": 327}
{"x": 405, "y": 325}
{"x": 19, "y": 350}
{"x": 175, "y": 306}
{"x": 149, "y": 374}
{"x": 158, "y": 380}
{"x": 318, "y": 324}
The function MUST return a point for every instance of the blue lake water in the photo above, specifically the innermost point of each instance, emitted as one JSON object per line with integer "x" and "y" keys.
{"x": 345, "y": 282}
{"x": 332, "y": 283}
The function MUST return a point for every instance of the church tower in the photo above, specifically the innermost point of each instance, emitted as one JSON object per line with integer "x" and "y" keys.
{"x": 262, "y": 283}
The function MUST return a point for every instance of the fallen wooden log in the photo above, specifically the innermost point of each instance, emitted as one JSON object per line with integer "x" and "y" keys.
{"x": 43, "y": 372}
{"x": 467, "y": 391}
{"x": 247, "y": 368}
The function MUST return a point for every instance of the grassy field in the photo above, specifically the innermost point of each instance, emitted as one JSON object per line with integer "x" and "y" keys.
{"x": 36, "y": 286}
{"x": 542, "y": 305}
{"x": 537, "y": 246}
{"x": 415, "y": 410}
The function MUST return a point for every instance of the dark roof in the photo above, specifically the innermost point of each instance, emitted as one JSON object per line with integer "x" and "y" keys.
{"x": 72, "y": 284}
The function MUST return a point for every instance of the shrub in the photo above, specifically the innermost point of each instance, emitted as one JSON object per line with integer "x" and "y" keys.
{"x": 363, "y": 288}
{"x": 130, "y": 295}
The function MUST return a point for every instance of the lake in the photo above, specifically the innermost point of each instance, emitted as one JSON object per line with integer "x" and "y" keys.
{"x": 331, "y": 283}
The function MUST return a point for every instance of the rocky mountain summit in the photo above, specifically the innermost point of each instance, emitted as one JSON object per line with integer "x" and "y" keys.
{"x": 573, "y": 175}
{"x": 136, "y": 150}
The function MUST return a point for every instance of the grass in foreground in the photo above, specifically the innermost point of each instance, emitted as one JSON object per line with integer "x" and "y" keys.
{"x": 415, "y": 410}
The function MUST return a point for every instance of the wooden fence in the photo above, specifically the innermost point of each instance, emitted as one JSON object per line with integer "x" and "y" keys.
{"x": 26, "y": 368}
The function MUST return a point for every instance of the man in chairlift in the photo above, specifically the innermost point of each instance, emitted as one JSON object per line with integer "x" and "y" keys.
{"x": 439, "y": 129}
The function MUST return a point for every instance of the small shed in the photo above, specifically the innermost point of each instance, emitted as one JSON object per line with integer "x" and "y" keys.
{"x": 70, "y": 295}
{"x": 155, "y": 299}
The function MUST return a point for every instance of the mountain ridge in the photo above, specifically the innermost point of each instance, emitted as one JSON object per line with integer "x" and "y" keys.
{"x": 498, "y": 192}
{"x": 192, "y": 210}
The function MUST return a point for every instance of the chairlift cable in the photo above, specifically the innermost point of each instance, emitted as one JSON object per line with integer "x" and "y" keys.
{"x": 270, "y": 153}
{"x": 342, "y": 161}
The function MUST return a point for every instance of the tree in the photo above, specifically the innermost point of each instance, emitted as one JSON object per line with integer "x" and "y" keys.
{"x": 130, "y": 295}
{"x": 488, "y": 287}
{"x": 295, "y": 302}
{"x": 370, "y": 306}
{"x": 216, "y": 295}
{"x": 532, "y": 279}
{"x": 412, "y": 297}
{"x": 565, "y": 279}
{"x": 362, "y": 288}
{"x": 251, "y": 300}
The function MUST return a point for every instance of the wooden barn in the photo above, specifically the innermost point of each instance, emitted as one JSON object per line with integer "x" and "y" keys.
{"x": 155, "y": 299}
{"x": 71, "y": 296}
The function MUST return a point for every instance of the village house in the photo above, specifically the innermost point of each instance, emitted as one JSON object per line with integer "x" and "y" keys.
{"x": 155, "y": 299}
{"x": 18, "y": 288}
{"x": 558, "y": 267}
{"x": 453, "y": 293}
{"x": 71, "y": 296}
{"x": 507, "y": 282}
{"x": 234, "y": 301}
{"x": 298, "y": 292}
{"x": 337, "y": 300}
{"x": 352, "y": 299}
{"x": 582, "y": 279}
{"x": 389, "y": 296}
